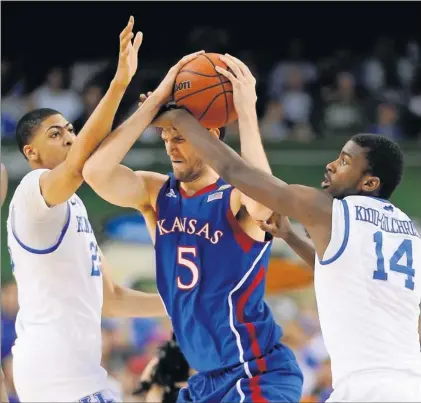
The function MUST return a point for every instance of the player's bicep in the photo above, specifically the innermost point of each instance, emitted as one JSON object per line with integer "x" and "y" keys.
{"x": 124, "y": 187}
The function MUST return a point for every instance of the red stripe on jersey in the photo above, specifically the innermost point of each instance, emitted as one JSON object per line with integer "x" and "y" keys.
{"x": 245, "y": 241}
{"x": 255, "y": 348}
{"x": 256, "y": 391}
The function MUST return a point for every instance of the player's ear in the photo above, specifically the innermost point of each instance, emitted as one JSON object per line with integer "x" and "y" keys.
{"x": 215, "y": 132}
{"x": 370, "y": 183}
{"x": 30, "y": 152}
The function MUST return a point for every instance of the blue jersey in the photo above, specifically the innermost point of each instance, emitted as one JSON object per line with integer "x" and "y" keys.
{"x": 211, "y": 277}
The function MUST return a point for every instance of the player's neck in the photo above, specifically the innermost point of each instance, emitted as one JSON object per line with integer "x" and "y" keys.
{"x": 207, "y": 178}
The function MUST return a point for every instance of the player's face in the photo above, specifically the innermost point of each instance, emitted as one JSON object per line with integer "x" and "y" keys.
{"x": 51, "y": 142}
{"x": 349, "y": 174}
{"x": 187, "y": 166}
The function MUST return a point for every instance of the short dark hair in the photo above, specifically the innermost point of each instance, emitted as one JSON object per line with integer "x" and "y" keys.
{"x": 28, "y": 123}
{"x": 385, "y": 160}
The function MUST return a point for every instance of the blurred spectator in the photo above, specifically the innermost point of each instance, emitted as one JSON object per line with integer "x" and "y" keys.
{"x": 387, "y": 122}
{"x": 380, "y": 68}
{"x": 413, "y": 118}
{"x": 343, "y": 114}
{"x": 295, "y": 60}
{"x": 54, "y": 94}
{"x": 13, "y": 104}
{"x": 92, "y": 95}
{"x": 273, "y": 125}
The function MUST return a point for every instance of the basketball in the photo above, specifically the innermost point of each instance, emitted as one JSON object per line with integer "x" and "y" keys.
{"x": 204, "y": 92}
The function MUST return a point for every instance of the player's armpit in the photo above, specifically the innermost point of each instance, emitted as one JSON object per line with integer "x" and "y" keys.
{"x": 123, "y": 302}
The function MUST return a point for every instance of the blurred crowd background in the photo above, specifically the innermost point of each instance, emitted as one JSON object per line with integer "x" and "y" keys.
{"x": 324, "y": 72}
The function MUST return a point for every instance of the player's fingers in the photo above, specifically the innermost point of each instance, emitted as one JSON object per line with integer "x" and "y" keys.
{"x": 267, "y": 227}
{"x": 243, "y": 67}
{"x": 125, "y": 54}
{"x": 227, "y": 74}
{"x": 138, "y": 41}
{"x": 126, "y": 42}
{"x": 149, "y": 93}
{"x": 142, "y": 97}
{"x": 188, "y": 58}
{"x": 233, "y": 66}
{"x": 128, "y": 28}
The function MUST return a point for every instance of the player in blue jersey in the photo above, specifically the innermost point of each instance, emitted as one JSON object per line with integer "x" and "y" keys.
{"x": 367, "y": 253}
{"x": 211, "y": 259}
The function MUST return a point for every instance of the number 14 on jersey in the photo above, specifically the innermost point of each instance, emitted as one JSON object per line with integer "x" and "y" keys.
{"x": 404, "y": 251}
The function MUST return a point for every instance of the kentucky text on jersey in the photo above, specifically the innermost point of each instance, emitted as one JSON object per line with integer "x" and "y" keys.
{"x": 385, "y": 222}
{"x": 83, "y": 225}
{"x": 191, "y": 226}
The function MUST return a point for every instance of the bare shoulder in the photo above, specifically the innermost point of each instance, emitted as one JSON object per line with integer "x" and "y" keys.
{"x": 154, "y": 182}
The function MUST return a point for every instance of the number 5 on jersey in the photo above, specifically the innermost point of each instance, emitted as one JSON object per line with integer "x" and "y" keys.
{"x": 184, "y": 256}
{"x": 404, "y": 249}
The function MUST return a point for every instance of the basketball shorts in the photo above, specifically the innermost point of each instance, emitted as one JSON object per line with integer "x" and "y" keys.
{"x": 275, "y": 377}
{"x": 378, "y": 386}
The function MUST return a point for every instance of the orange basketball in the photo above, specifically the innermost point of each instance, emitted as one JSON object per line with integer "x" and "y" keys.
{"x": 204, "y": 92}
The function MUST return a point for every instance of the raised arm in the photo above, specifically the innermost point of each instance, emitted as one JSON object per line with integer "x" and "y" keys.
{"x": 310, "y": 206}
{"x": 252, "y": 150}
{"x": 58, "y": 184}
{"x": 123, "y": 302}
{"x": 112, "y": 181}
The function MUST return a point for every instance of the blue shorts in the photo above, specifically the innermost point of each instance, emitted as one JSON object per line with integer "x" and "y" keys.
{"x": 276, "y": 377}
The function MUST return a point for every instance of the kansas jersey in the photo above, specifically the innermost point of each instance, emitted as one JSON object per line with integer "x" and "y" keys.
{"x": 368, "y": 289}
{"x": 56, "y": 265}
{"x": 211, "y": 277}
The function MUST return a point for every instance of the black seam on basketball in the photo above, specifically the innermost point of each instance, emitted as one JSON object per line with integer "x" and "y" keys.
{"x": 210, "y": 104}
{"x": 197, "y": 73}
{"x": 196, "y": 92}
{"x": 223, "y": 88}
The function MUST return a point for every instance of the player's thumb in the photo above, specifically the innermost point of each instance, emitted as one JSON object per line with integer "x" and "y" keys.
{"x": 138, "y": 41}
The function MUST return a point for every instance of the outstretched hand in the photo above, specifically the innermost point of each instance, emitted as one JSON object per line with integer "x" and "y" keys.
{"x": 243, "y": 83}
{"x": 128, "y": 57}
{"x": 163, "y": 94}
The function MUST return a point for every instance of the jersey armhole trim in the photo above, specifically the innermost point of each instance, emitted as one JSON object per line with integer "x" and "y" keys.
{"x": 344, "y": 241}
{"x": 51, "y": 248}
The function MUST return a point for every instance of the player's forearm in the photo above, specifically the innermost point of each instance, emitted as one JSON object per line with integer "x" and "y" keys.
{"x": 124, "y": 302}
{"x": 227, "y": 163}
{"x": 116, "y": 146}
{"x": 302, "y": 247}
{"x": 251, "y": 141}
{"x": 95, "y": 129}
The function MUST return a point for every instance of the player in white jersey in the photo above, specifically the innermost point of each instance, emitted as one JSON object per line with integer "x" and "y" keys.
{"x": 367, "y": 252}
{"x": 61, "y": 275}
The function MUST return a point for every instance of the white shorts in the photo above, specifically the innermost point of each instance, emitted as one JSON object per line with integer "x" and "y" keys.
{"x": 391, "y": 386}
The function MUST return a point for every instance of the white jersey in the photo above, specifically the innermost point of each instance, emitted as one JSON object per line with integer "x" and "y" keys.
{"x": 368, "y": 289}
{"x": 55, "y": 260}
